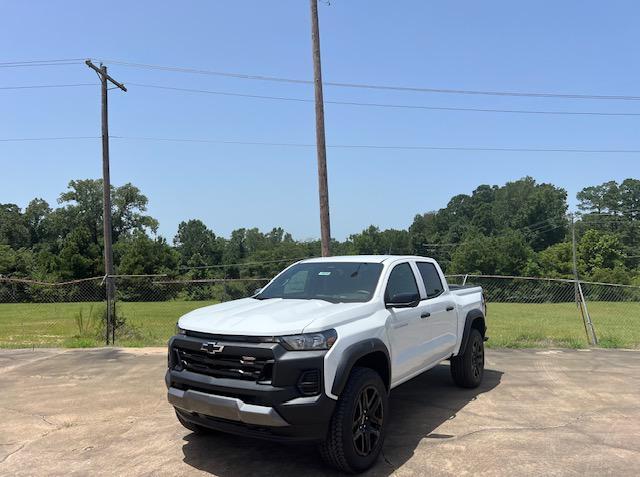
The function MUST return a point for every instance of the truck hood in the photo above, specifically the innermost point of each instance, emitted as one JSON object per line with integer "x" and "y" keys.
{"x": 272, "y": 317}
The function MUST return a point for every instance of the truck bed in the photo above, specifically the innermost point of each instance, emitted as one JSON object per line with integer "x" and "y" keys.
{"x": 464, "y": 289}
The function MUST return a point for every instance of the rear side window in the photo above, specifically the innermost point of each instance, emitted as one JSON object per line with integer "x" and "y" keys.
{"x": 431, "y": 279}
{"x": 401, "y": 280}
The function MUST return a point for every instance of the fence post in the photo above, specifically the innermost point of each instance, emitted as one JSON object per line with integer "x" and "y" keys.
{"x": 576, "y": 295}
{"x": 593, "y": 339}
{"x": 111, "y": 305}
{"x": 580, "y": 303}
{"x": 464, "y": 280}
{"x": 109, "y": 323}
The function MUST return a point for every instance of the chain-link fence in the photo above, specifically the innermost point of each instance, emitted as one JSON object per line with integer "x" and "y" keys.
{"x": 525, "y": 312}
{"x": 522, "y": 312}
{"x": 39, "y": 314}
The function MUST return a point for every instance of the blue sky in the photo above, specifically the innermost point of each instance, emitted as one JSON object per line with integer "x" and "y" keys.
{"x": 544, "y": 46}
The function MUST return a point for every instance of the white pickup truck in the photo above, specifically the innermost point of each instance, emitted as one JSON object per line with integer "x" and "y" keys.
{"x": 313, "y": 355}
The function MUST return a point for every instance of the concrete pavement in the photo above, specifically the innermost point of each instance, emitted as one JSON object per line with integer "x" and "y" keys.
{"x": 539, "y": 412}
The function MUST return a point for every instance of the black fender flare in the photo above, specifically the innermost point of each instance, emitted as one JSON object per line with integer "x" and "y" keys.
{"x": 352, "y": 354}
{"x": 472, "y": 316}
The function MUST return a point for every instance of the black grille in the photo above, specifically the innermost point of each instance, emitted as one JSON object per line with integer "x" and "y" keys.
{"x": 309, "y": 382}
{"x": 249, "y": 368}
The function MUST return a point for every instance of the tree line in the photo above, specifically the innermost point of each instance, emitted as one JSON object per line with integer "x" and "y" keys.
{"x": 520, "y": 228}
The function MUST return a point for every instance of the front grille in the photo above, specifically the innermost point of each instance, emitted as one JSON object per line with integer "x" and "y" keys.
{"x": 248, "y": 368}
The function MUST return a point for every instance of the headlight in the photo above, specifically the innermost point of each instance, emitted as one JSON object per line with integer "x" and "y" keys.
{"x": 309, "y": 341}
{"x": 180, "y": 331}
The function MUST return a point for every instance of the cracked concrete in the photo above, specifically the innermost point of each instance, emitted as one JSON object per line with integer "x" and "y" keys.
{"x": 104, "y": 412}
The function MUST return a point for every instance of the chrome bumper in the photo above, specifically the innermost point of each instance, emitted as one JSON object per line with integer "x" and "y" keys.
{"x": 224, "y": 407}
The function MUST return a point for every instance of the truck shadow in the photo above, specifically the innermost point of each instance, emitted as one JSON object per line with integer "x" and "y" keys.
{"x": 418, "y": 407}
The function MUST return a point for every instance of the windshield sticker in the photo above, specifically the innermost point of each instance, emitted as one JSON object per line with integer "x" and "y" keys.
{"x": 324, "y": 274}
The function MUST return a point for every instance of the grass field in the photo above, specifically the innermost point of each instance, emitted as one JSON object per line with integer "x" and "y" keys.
{"x": 55, "y": 324}
{"x": 510, "y": 325}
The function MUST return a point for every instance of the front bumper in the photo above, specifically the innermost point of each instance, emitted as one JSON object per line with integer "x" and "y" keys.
{"x": 223, "y": 407}
{"x": 272, "y": 406}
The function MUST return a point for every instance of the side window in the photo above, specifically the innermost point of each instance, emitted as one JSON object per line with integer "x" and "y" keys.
{"x": 401, "y": 280}
{"x": 431, "y": 279}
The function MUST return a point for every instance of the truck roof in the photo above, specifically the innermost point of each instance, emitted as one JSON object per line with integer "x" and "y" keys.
{"x": 362, "y": 258}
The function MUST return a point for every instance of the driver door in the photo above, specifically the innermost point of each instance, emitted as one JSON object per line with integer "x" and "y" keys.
{"x": 404, "y": 330}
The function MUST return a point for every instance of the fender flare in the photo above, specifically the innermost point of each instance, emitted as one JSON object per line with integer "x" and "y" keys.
{"x": 472, "y": 316}
{"x": 352, "y": 354}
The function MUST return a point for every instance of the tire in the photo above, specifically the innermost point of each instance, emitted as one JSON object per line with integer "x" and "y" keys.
{"x": 355, "y": 437}
{"x": 467, "y": 368}
{"x": 195, "y": 428}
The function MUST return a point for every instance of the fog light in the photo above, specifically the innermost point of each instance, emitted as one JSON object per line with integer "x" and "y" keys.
{"x": 309, "y": 382}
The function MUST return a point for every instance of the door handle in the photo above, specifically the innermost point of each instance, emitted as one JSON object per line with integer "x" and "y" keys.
{"x": 450, "y": 308}
{"x": 425, "y": 315}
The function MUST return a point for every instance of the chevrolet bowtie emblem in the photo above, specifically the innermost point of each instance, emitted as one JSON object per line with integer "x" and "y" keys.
{"x": 212, "y": 347}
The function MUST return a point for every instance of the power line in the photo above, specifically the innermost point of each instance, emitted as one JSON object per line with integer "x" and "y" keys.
{"x": 74, "y": 61}
{"x": 398, "y": 147}
{"x": 343, "y": 103}
{"x": 178, "y": 69}
{"x": 542, "y": 225}
{"x": 383, "y": 105}
{"x": 59, "y": 138}
{"x": 37, "y": 86}
{"x": 243, "y": 264}
{"x": 339, "y": 146}
{"x": 29, "y": 62}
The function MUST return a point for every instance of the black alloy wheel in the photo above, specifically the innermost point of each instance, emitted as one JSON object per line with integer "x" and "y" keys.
{"x": 467, "y": 368}
{"x": 368, "y": 417}
{"x": 477, "y": 359}
{"x": 358, "y": 425}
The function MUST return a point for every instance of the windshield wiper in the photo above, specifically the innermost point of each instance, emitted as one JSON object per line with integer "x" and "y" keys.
{"x": 330, "y": 300}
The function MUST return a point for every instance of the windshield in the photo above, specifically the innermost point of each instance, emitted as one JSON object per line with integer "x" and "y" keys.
{"x": 331, "y": 281}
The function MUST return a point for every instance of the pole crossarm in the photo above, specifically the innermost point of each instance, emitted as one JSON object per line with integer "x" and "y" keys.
{"x": 105, "y": 75}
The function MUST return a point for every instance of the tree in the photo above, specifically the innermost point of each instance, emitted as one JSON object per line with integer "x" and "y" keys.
{"x": 36, "y": 218}
{"x": 603, "y": 198}
{"x": 82, "y": 206}
{"x": 373, "y": 241}
{"x": 599, "y": 250}
{"x": 556, "y": 261}
{"x": 612, "y": 198}
{"x": 80, "y": 256}
{"x": 138, "y": 254}
{"x": 16, "y": 263}
{"x": 196, "y": 245}
{"x": 13, "y": 229}
{"x": 630, "y": 198}
{"x": 507, "y": 254}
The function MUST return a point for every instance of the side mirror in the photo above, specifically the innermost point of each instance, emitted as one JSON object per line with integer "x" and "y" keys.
{"x": 256, "y": 291}
{"x": 403, "y": 300}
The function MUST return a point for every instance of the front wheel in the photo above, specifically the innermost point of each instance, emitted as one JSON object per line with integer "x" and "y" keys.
{"x": 358, "y": 425}
{"x": 468, "y": 367}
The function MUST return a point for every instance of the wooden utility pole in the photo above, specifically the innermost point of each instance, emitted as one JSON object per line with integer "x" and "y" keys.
{"x": 323, "y": 189}
{"x": 105, "y": 79}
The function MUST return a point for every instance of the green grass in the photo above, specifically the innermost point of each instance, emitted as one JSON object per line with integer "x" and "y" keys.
{"x": 519, "y": 325}
{"x": 510, "y": 325}
{"x": 54, "y": 324}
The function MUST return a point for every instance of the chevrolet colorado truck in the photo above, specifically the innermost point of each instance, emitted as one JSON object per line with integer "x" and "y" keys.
{"x": 313, "y": 355}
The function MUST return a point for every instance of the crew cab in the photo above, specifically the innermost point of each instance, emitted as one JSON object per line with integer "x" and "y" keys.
{"x": 314, "y": 354}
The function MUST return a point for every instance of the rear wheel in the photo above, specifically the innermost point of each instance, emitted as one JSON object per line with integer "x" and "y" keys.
{"x": 468, "y": 367}
{"x": 357, "y": 428}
